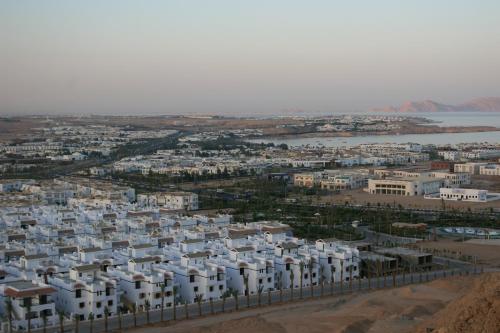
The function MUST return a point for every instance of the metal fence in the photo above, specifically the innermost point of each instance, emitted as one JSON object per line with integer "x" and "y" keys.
{"x": 242, "y": 302}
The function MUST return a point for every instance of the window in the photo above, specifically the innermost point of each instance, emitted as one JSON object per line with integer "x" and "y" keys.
{"x": 221, "y": 287}
{"x": 211, "y": 288}
{"x": 329, "y": 260}
{"x": 195, "y": 289}
{"x": 142, "y": 295}
{"x": 98, "y": 305}
{"x": 82, "y": 305}
{"x": 108, "y": 291}
{"x": 260, "y": 281}
{"x": 168, "y": 293}
{"x": 157, "y": 295}
{"x": 242, "y": 271}
{"x": 110, "y": 302}
{"x": 268, "y": 279}
{"x": 42, "y": 299}
{"x": 78, "y": 293}
{"x": 306, "y": 276}
{"x": 287, "y": 267}
{"x": 191, "y": 278}
{"x": 137, "y": 284}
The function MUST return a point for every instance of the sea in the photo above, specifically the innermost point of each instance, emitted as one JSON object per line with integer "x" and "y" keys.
{"x": 442, "y": 119}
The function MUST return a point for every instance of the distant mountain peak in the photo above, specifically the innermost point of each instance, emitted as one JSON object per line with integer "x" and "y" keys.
{"x": 484, "y": 104}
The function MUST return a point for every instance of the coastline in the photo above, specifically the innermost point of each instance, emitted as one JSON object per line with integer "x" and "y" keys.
{"x": 408, "y": 130}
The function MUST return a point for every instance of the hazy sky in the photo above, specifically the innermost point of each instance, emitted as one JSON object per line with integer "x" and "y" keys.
{"x": 243, "y": 57}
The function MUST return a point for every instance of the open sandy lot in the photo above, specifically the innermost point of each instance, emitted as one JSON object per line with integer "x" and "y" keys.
{"x": 405, "y": 309}
{"x": 487, "y": 254}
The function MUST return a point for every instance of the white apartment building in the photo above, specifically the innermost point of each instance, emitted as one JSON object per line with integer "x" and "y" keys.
{"x": 196, "y": 275}
{"x": 245, "y": 263}
{"x": 309, "y": 179}
{"x": 170, "y": 200}
{"x": 340, "y": 260}
{"x": 472, "y": 168}
{"x": 142, "y": 282}
{"x": 287, "y": 258}
{"x": 450, "y": 155}
{"x": 490, "y": 170}
{"x": 450, "y": 179}
{"x": 33, "y": 296}
{"x": 87, "y": 289}
{"x": 344, "y": 182}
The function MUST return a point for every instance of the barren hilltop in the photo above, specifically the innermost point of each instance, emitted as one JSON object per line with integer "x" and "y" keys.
{"x": 484, "y": 104}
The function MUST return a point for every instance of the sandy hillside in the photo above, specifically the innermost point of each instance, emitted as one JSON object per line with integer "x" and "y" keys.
{"x": 477, "y": 311}
{"x": 405, "y": 309}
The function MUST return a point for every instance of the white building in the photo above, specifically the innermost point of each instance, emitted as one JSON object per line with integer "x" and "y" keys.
{"x": 32, "y": 296}
{"x": 170, "y": 200}
{"x": 490, "y": 170}
{"x": 404, "y": 186}
{"x": 87, "y": 289}
{"x": 470, "y": 167}
{"x": 462, "y": 194}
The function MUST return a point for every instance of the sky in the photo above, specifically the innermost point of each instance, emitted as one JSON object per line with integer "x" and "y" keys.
{"x": 243, "y": 58}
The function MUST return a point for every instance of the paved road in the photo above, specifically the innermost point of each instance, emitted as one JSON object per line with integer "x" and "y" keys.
{"x": 362, "y": 285}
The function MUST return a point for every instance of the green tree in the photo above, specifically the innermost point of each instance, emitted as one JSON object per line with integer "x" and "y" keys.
{"x": 106, "y": 317}
{"x": 10, "y": 312}
{"x": 199, "y": 300}
{"x": 61, "y": 321}
{"x": 91, "y": 322}
{"x": 162, "y": 287}
{"x": 301, "y": 277}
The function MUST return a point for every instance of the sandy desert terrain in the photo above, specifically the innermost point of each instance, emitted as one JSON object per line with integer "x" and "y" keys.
{"x": 457, "y": 304}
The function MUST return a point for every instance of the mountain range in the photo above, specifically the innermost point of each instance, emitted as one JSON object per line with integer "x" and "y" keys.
{"x": 484, "y": 104}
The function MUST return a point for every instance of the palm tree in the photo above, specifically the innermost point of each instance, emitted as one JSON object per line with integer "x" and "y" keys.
{"x": 106, "y": 316}
{"x": 310, "y": 266}
{"x": 186, "y": 310}
{"x": 259, "y": 294}
{"x": 91, "y": 321}
{"x": 301, "y": 277}
{"x": 77, "y": 323}
{"x": 10, "y": 311}
{"x": 341, "y": 276}
{"x": 225, "y": 295}
{"x": 321, "y": 279}
{"x": 332, "y": 279}
{"x": 350, "y": 277}
{"x": 235, "y": 295}
{"x": 280, "y": 285}
{"x": 211, "y": 301}
{"x": 147, "y": 306}
{"x": 119, "y": 309}
{"x": 174, "y": 293}
{"x": 378, "y": 274}
{"x": 133, "y": 309}
{"x": 199, "y": 300}
{"x": 292, "y": 276}
{"x": 61, "y": 321}
{"x": 247, "y": 289}
{"x": 162, "y": 287}
{"x": 44, "y": 321}
{"x": 28, "y": 309}
{"x": 269, "y": 296}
